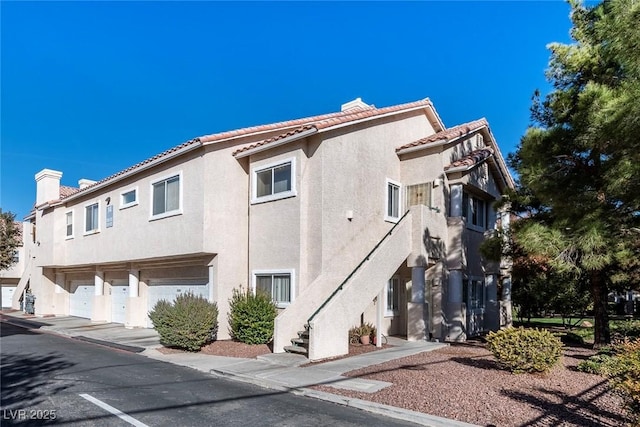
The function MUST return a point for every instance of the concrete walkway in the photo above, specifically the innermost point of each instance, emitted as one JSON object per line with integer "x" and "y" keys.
{"x": 276, "y": 371}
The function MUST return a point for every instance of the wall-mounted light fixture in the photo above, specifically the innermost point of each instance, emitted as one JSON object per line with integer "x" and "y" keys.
{"x": 108, "y": 200}
{"x": 349, "y": 215}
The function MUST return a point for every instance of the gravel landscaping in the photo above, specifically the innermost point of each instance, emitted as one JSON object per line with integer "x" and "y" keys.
{"x": 463, "y": 382}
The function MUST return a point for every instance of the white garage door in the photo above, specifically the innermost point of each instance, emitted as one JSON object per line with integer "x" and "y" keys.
{"x": 119, "y": 295}
{"x": 170, "y": 289}
{"x": 81, "y": 300}
{"x": 7, "y": 295}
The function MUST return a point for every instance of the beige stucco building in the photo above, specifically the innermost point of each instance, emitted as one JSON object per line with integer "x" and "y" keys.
{"x": 371, "y": 214}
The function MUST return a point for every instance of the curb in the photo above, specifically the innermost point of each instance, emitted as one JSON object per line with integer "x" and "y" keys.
{"x": 365, "y": 405}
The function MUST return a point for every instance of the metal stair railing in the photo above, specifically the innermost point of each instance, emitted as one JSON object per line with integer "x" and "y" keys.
{"x": 355, "y": 270}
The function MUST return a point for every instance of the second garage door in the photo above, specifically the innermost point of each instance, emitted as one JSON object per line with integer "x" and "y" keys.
{"x": 81, "y": 300}
{"x": 119, "y": 295}
{"x": 170, "y": 289}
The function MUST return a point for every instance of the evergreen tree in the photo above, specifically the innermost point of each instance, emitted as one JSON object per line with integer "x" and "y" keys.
{"x": 579, "y": 162}
{"x": 9, "y": 239}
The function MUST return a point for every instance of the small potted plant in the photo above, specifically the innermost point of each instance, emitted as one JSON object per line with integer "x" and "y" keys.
{"x": 366, "y": 330}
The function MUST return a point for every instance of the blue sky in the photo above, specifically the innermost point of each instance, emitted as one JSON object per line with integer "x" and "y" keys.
{"x": 90, "y": 88}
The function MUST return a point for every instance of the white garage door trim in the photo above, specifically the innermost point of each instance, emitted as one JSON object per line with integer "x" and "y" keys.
{"x": 119, "y": 296}
{"x": 168, "y": 289}
{"x": 81, "y": 301}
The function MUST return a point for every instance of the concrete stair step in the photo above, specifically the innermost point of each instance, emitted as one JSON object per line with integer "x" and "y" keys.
{"x": 303, "y": 334}
{"x": 302, "y": 342}
{"x": 296, "y": 349}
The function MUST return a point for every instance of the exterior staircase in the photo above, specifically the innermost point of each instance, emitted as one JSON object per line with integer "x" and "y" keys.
{"x": 300, "y": 345}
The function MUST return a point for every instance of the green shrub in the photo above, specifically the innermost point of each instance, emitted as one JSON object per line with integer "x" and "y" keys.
{"x": 189, "y": 323}
{"x": 251, "y": 317}
{"x": 623, "y": 370}
{"x": 525, "y": 350}
{"x": 622, "y": 329}
{"x": 595, "y": 364}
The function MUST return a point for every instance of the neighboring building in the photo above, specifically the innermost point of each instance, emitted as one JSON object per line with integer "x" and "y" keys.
{"x": 10, "y": 277}
{"x": 298, "y": 209}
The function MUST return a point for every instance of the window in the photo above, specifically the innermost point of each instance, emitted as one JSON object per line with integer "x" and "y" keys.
{"x": 392, "y": 212}
{"x": 475, "y": 210}
{"x": 166, "y": 197}
{"x": 278, "y": 285}
{"x": 69, "y": 224}
{"x": 91, "y": 218}
{"x": 418, "y": 194}
{"x": 274, "y": 181}
{"x": 129, "y": 198}
{"x": 16, "y": 257}
{"x": 473, "y": 293}
{"x": 393, "y": 297}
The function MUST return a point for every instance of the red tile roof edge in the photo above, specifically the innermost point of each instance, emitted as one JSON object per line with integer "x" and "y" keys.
{"x": 474, "y": 158}
{"x": 448, "y": 134}
{"x": 346, "y": 117}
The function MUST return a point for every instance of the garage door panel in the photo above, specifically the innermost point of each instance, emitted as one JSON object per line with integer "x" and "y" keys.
{"x": 7, "y": 295}
{"x": 119, "y": 296}
{"x": 81, "y": 300}
{"x": 169, "y": 292}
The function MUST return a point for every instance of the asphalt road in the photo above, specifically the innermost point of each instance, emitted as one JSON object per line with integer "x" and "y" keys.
{"x": 53, "y": 380}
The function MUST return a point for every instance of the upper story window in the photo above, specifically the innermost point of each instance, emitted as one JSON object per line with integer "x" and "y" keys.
{"x": 69, "y": 224}
{"x": 273, "y": 181}
{"x": 392, "y": 305}
{"x": 277, "y": 284}
{"x": 475, "y": 210}
{"x": 16, "y": 257}
{"x": 92, "y": 218}
{"x": 166, "y": 197}
{"x": 392, "y": 201}
{"x": 129, "y": 198}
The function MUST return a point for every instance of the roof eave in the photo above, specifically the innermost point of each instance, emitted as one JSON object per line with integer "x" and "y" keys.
{"x": 127, "y": 174}
{"x": 277, "y": 143}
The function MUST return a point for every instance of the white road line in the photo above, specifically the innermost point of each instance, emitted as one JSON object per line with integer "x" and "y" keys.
{"x": 113, "y": 410}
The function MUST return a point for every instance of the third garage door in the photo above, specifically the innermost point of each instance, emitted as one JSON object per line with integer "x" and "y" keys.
{"x": 119, "y": 295}
{"x": 81, "y": 299}
{"x": 170, "y": 289}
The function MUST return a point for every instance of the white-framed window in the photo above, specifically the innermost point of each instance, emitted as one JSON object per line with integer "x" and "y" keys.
{"x": 166, "y": 196}
{"x": 278, "y": 284}
{"x": 92, "y": 218}
{"x": 392, "y": 300}
{"x": 273, "y": 181}
{"x": 68, "y": 218}
{"x": 474, "y": 293}
{"x": 16, "y": 257}
{"x": 129, "y": 198}
{"x": 474, "y": 210}
{"x": 393, "y": 196}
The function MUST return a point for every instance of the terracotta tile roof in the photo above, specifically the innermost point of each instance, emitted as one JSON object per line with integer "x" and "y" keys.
{"x": 471, "y": 159}
{"x": 344, "y": 117}
{"x": 130, "y": 168}
{"x": 448, "y": 134}
{"x": 319, "y": 122}
{"x": 67, "y": 191}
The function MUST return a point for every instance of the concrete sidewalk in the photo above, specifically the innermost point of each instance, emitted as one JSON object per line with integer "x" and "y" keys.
{"x": 280, "y": 371}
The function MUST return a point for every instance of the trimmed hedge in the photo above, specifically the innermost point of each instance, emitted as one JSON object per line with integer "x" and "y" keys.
{"x": 251, "y": 317}
{"x": 523, "y": 350}
{"x": 188, "y": 323}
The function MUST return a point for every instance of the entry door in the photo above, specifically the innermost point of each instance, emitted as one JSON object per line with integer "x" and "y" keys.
{"x": 81, "y": 300}
{"x": 166, "y": 290}
{"x": 119, "y": 295}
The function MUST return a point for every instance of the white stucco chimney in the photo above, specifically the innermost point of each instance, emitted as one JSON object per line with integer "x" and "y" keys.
{"x": 356, "y": 104}
{"x": 47, "y": 186}
{"x": 84, "y": 183}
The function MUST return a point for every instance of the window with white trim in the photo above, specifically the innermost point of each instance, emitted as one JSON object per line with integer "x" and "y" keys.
{"x": 92, "y": 218}
{"x": 392, "y": 303}
{"x": 273, "y": 181}
{"x": 129, "y": 198}
{"x": 475, "y": 210}
{"x": 277, "y": 284}
{"x": 392, "y": 201}
{"x": 69, "y": 225}
{"x": 166, "y": 197}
